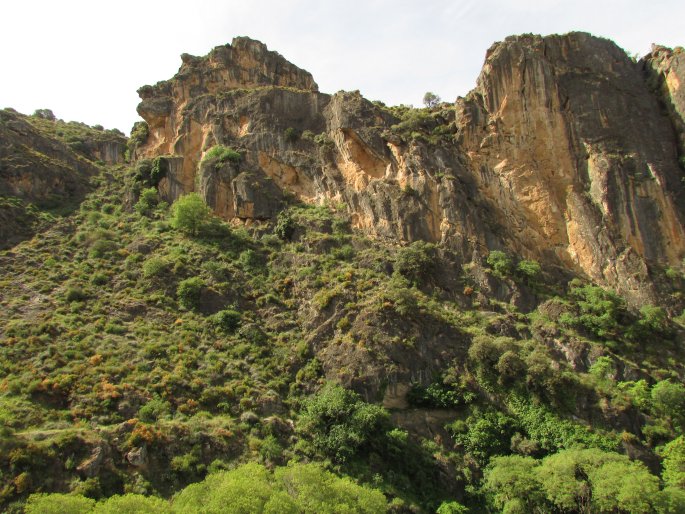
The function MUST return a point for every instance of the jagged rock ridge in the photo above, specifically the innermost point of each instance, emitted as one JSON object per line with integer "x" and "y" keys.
{"x": 566, "y": 151}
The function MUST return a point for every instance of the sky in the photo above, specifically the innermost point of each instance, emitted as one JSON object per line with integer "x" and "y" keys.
{"x": 86, "y": 59}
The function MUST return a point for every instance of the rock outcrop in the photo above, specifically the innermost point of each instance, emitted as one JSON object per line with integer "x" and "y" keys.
{"x": 565, "y": 152}
{"x": 47, "y": 164}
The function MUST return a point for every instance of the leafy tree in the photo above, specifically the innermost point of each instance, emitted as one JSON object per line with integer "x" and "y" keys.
{"x": 315, "y": 490}
{"x": 624, "y": 485}
{"x": 674, "y": 463}
{"x": 431, "y": 100}
{"x": 512, "y": 485}
{"x": 190, "y": 214}
{"x": 243, "y": 490}
{"x": 452, "y": 508}
{"x": 589, "y": 480}
{"x": 486, "y": 435}
{"x": 45, "y": 114}
{"x": 297, "y": 488}
{"x": 339, "y": 423}
{"x": 668, "y": 399}
{"x": 56, "y": 503}
{"x": 599, "y": 309}
{"x": 132, "y": 504}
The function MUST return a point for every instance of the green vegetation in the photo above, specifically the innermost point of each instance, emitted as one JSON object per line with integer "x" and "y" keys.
{"x": 575, "y": 481}
{"x": 299, "y": 488}
{"x": 190, "y": 214}
{"x": 500, "y": 263}
{"x": 156, "y": 360}
{"x": 431, "y": 100}
{"x": 222, "y": 154}
{"x": 189, "y": 291}
{"x": 139, "y": 135}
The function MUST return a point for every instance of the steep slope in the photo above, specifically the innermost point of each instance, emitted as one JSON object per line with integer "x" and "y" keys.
{"x": 370, "y": 300}
{"x": 45, "y": 168}
{"x": 561, "y": 153}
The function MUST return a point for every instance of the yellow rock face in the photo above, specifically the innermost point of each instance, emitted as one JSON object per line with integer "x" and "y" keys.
{"x": 560, "y": 153}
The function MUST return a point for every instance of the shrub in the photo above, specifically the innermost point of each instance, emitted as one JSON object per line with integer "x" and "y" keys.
{"x": 291, "y": 135}
{"x": 160, "y": 167}
{"x": 139, "y": 135}
{"x": 599, "y": 309}
{"x": 147, "y": 202}
{"x": 529, "y": 270}
{"x": 416, "y": 261}
{"x": 190, "y": 214}
{"x": 153, "y": 410}
{"x": 101, "y": 248}
{"x": 436, "y": 395}
{"x": 226, "y": 321}
{"x": 222, "y": 154}
{"x": 285, "y": 225}
{"x": 74, "y": 294}
{"x": 189, "y": 291}
{"x": 154, "y": 266}
{"x": 500, "y": 263}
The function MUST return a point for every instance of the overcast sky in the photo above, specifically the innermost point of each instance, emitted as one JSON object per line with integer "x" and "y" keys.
{"x": 86, "y": 59}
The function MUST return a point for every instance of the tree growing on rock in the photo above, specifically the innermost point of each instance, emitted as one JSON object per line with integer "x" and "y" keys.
{"x": 431, "y": 100}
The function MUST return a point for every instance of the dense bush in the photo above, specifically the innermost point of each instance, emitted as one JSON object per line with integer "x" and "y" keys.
{"x": 154, "y": 266}
{"x": 148, "y": 200}
{"x": 599, "y": 310}
{"x": 529, "y": 270}
{"x": 189, "y": 291}
{"x": 226, "y": 321}
{"x": 139, "y": 135}
{"x": 500, "y": 263}
{"x": 222, "y": 154}
{"x": 416, "y": 261}
{"x": 339, "y": 423}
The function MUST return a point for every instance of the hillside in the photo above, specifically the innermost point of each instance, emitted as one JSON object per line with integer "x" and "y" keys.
{"x": 315, "y": 302}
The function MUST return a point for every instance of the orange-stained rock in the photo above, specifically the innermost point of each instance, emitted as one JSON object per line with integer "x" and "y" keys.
{"x": 562, "y": 153}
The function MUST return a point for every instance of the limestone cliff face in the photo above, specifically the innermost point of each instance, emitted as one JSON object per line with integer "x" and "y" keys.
{"x": 566, "y": 151}
{"x": 564, "y": 135}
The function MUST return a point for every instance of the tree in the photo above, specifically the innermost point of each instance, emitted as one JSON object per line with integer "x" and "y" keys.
{"x": 339, "y": 423}
{"x": 190, "y": 214}
{"x": 46, "y": 114}
{"x": 431, "y": 100}
{"x": 57, "y": 503}
{"x": 511, "y": 484}
{"x": 674, "y": 463}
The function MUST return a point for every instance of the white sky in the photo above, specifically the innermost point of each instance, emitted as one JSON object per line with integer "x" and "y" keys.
{"x": 86, "y": 59}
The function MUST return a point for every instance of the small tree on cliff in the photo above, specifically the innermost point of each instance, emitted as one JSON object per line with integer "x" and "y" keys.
{"x": 190, "y": 214}
{"x": 430, "y": 100}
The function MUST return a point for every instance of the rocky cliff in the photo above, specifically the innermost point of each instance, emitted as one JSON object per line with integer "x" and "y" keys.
{"x": 565, "y": 152}
{"x": 46, "y": 165}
